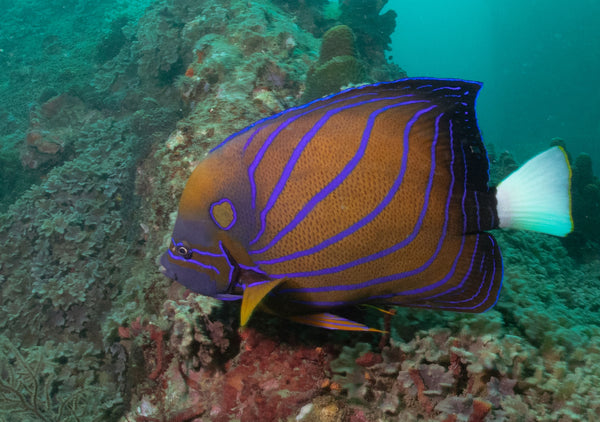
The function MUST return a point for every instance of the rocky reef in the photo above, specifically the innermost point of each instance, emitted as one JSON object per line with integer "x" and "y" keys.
{"x": 586, "y": 207}
{"x": 97, "y": 146}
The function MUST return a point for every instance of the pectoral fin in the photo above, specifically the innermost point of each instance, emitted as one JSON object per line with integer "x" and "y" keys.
{"x": 254, "y": 293}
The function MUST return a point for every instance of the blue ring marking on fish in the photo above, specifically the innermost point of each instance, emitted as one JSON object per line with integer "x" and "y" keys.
{"x": 387, "y": 251}
{"x": 263, "y": 149}
{"x": 192, "y": 261}
{"x": 331, "y": 186}
{"x": 424, "y": 86}
{"x": 233, "y": 210}
{"x": 365, "y": 220}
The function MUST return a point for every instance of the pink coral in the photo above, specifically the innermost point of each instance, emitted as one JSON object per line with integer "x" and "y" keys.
{"x": 267, "y": 380}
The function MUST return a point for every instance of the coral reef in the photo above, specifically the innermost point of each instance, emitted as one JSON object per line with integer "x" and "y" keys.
{"x": 311, "y": 15}
{"x": 501, "y": 165}
{"x": 109, "y": 130}
{"x": 353, "y": 52}
{"x": 585, "y": 190}
{"x": 363, "y": 16}
{"x": 200, "y": 367}
{"x": 28, "y": 387}
{"x": 338, "y": 64}
{"x": 51, "y": 133}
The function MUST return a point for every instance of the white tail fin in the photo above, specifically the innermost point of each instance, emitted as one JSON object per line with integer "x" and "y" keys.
{"x": 538, "y": 195}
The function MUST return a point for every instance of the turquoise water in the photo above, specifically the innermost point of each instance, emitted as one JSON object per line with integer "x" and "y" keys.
{"x": 539, "y": 61}
{"x": 106, "y": 108}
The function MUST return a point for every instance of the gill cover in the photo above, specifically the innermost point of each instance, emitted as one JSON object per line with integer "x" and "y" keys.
{"x": 206, "y": 235}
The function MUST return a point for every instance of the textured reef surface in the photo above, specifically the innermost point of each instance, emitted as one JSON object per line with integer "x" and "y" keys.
{"x": 101, "y": 126}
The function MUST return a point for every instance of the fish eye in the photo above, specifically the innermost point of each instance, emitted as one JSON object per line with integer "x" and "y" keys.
{"x": 183, "y": 251}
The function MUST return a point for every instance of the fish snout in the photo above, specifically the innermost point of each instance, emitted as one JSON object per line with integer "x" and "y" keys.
{"x": 196, "y": 281}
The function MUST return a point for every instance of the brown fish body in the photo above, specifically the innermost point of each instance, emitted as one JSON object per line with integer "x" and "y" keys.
{"x": 375, "y": 195}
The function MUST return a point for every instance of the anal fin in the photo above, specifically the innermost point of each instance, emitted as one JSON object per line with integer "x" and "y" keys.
{"x": 331, "y": 322}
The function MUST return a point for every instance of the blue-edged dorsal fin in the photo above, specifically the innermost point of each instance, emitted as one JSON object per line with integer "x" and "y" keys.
{"x": 254, "y": 293}
{"x": 331, "y": 322}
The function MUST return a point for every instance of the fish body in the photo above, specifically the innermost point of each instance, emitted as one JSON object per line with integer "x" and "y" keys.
{"x": 378, "y": 194}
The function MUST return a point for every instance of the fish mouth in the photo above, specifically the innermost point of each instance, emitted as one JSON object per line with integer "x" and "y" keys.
{"x": 167, "y": 273}
{"x": 165, "y": 269}
{"x": 197, "y": 282}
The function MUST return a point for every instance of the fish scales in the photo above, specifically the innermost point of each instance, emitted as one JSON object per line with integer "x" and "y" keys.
{"x": 378, "y": 194}
{"x": 336, "y": 228}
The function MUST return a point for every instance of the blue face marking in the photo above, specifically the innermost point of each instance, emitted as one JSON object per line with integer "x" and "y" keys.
{"x": 199, "y": 282}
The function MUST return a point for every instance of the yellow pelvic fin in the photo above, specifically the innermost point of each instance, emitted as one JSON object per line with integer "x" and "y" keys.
{"x": 254, "y": 293}
{"x": 331, "y": 322}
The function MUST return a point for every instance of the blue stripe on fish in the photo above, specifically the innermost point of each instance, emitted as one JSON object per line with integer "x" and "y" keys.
{"x": 332, "y": 186}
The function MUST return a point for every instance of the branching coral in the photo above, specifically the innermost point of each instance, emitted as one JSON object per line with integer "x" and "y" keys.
{"x": 31, "y": 387}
